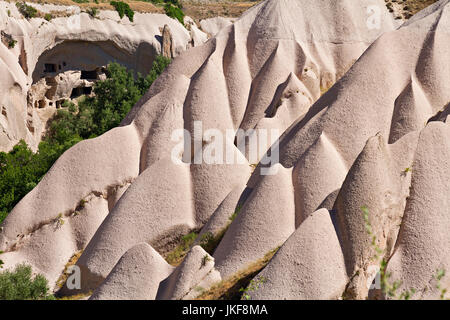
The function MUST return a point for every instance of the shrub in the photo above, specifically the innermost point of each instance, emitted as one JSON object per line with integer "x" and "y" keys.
{"x": 48, "y": 17}
{"x": 235, "y": 213}
{"x": 20, "y": 285}
{"x": 12, "y": 43}
{"x": 27, "y": 11}
{"x": 177, "y": 255}
{"x": 71, "y": 107}
{"x": 122, "y": 9}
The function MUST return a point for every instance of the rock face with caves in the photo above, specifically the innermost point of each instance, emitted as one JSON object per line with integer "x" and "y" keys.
{"x": 377, "y": 139}
{"x": 59, "y": 59}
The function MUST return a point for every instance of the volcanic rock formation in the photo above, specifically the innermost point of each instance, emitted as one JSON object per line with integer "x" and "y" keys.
{"x": 377, "y": 138}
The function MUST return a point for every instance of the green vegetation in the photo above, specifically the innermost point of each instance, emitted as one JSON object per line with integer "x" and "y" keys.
{"x": 12, "y": 43}
{"x": 239, "y": 285}
{"x": 66, "y": 273}
{"x": 20, "y": 285}
{"x": 48, "y": 17}
{"x": 59, "y": 221}
{"x": 174, "y": 11}
{"x": 21, "y": 169}
{"x": 81, "y": 1}
{"x": 27, "y": 11}
{"x": 388, "y": 288}
{"x": 210, "y": 241}
{"x": 205, "y": 260}
{"x": 443, "y": 291}
{"x": 253, "y": 286}
{"x": 122, "y": 9}
{"x": 235, "y": 213}
{"x": 172, "y": 8}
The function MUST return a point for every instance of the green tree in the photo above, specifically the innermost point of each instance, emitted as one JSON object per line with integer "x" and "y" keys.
{"x": 19, "y": 284}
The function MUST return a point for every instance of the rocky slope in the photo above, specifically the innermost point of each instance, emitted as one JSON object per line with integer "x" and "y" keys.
{"x": 378, "y": 138}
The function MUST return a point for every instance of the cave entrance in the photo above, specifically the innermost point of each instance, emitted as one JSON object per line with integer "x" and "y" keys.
{"x": 77, "y": 92}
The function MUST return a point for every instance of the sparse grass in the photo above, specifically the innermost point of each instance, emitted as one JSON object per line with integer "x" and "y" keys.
{"x": 65, "y": 274}
{"x": 210, "y": 241}
{"x": 443, "y": 291}
{"x": 176, "y": 256}
{"x": 324, "y": 90}
{"x": 389, "y": 288}
{"x": 253, "y": 286}
{"x": 234, "y": 287}
{"x": 195, "y": 10}
{"x": 21, "y": 169}
{"x": 59, "y": 221}
{"x": 12, "y": 43}
{"x": 235, "y": 213}
{"x": 174, "y": 12}
{"x": 76, "y": 296}
{"x": 82, "y": 203}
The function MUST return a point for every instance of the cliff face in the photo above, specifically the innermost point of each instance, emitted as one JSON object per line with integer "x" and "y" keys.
{"x": 43, "y": 61}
